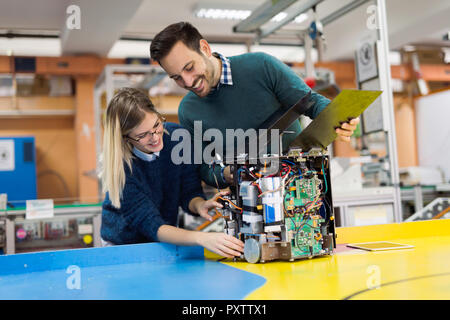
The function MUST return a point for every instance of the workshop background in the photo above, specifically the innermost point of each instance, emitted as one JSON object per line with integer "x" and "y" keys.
{"x": 61, "y": 62}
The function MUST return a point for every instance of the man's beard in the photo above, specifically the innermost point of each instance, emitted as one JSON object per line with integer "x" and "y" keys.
{"x": 207, "y": 77}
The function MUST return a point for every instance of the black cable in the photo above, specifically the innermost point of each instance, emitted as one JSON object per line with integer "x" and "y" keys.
{"x": 61, "y": 179}
{"x": 327, "y": 219}
{"x": 215, "y": 177}
{"x": 249, "y": 173}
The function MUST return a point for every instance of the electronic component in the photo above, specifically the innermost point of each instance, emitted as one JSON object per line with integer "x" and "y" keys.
{"x": 284, "y": 215}
{"x": 285, "y": 210}
{"x": 252, "y": 221}
{"x": 272, "y": 201}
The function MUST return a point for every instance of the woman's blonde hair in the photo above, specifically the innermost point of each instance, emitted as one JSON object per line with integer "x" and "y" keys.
{"x": 125, "y": 112}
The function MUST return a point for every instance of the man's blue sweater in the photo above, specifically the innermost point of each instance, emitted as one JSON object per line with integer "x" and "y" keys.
{"x": 262, "y": 84}
{"x": 153, "y": 192}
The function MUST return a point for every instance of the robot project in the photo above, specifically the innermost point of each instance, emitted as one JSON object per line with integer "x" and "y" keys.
{"x": 285, "y": 211}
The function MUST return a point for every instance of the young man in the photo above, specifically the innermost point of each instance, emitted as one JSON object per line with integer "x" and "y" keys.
{"x": 238, "y": 92}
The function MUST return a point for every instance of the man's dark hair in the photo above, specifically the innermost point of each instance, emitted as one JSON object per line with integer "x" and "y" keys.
{"x": 167, "y": 38}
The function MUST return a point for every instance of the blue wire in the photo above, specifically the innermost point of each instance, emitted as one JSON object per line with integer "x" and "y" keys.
{"x": 239, "y": 174}
{"x": 289, "y": 162}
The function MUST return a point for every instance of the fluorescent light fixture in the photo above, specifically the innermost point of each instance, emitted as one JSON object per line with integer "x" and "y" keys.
{"x": 230, "y": 14}
{"x": 129, "y": 48}
{"x": 238, "y": 14}
{"x": 279, "y": 17}
{"x": 30, "y": 47}
{"x": 300, "y": 18}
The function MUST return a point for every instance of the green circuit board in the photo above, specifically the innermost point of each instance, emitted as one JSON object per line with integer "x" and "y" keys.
{"x": 304, "y": 193}
{"x": 305, "y": 235}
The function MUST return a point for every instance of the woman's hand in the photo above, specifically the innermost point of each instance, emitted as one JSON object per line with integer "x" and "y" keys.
{"x": 203, "y": 206}
{"x": 221, "y": 243}
{"x": 217, "y": 242}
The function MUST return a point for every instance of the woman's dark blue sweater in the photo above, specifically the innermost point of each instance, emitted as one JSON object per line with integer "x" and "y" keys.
{"x": 153, "y": 192}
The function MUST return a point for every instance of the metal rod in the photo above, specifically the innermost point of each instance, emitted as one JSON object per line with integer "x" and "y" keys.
{"x": 386, "y": 86}
{"x": 305, "y": 6}
{"x": 96, "y": 225}
{"x": 309, "y": 65}
{"x": 342, "y": 11}
{"x": 418, "y": 198}
{"x": 261, "y": 15}
{"x": 10, "y": 237}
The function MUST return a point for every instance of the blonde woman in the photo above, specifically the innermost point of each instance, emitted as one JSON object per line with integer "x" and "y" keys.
{"x": 143, "y": 187}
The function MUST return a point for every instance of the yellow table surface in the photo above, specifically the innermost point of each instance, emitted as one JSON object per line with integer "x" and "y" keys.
{"x": 422, "y": 272}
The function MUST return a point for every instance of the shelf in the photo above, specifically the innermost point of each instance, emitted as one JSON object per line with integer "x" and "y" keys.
{"x": 35, "y": 113}
{"x": 167, "y": 104}
{"x": 37, "y": 106}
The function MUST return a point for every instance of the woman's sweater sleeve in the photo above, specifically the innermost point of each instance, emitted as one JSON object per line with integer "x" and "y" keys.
{"x": 190, "y": 186}
{"x": 140, "y": 212}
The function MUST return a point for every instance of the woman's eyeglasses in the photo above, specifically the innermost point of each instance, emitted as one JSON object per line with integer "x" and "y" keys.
{"x": 146, "y": 136}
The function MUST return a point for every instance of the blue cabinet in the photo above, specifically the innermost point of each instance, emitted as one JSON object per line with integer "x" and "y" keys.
{"x": 18, "y": 169}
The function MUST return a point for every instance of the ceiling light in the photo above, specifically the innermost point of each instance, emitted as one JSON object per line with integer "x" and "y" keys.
{"x": 230, "y": 14}
{"x": 279, "y": 17}
{"x": 300, "y": 18}
{"x": 238, "y": 14}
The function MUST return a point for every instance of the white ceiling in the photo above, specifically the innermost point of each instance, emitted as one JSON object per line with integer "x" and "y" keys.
{"x": 408, "y": 22}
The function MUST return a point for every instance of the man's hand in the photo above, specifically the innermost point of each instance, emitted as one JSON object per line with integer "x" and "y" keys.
{"x": 346, "y": 130}
{"x": 205, "y": 205}
{"x": 227, "y": 175}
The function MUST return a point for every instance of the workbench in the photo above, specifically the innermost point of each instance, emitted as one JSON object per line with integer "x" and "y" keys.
{"x": 163, "y": 271}
{"x": 12, "y": 217}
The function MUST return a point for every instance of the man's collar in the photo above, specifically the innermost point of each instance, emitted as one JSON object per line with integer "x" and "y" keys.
{"x": 145, "y": 156}
{"x": 225, "y": 77}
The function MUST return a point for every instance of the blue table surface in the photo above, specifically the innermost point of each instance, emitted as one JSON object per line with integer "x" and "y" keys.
{"x": 154, "y": 271}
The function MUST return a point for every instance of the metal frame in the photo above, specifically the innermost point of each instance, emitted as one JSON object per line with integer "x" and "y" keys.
{"x": 268, "y": 10}
{"x": 429, "y": 212}
{"x": 265, "y": 12}
{"x": 342, "y": 11}
{"x": 262, "y": 14}
{"x": 387, "y": 101}
{"x": 384, "y": 75}
{"x": 305, "y": 6}
{"x": 3, "y": 222}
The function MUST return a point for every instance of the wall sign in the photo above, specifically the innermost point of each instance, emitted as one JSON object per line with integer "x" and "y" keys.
{"x": 7, "y": 159}
{"x": 39, "y": 209}
{"x": 366, "y": 60}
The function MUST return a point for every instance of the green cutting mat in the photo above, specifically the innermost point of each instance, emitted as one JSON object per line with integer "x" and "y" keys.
{"x": 347, "y": 105}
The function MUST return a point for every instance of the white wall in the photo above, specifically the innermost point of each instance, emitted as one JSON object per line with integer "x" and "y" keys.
{"x": 433, "y": 131}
